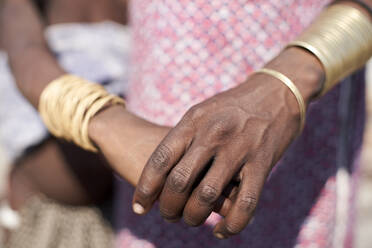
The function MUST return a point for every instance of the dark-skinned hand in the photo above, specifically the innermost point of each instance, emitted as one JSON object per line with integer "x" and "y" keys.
{"x": 234, "y": 137}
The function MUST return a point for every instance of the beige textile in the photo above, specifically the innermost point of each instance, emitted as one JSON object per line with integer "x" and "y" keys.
{"x": 46, "y": 224}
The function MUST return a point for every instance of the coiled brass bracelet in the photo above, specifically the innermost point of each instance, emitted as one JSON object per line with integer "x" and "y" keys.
{"x": 68, "y": 103}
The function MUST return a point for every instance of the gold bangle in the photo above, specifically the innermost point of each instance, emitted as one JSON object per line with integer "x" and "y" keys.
{"x": 67, "y": 105}
{"x": 341, "y": 38}
{"x": 284, "y": 79}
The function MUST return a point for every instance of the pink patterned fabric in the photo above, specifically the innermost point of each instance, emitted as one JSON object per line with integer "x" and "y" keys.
{"x": 188, "y": 50}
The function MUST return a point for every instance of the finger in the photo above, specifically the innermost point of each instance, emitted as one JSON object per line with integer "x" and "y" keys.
{"x": 243, "y": 207}
{"x": 166, "y": 155}
{"x": 225, "y": 201}
{"x": 203, "y": 199}
{"x": 181, "y": 179}
{"x": 222, "y": 206}
{"x": 231, "y": 190}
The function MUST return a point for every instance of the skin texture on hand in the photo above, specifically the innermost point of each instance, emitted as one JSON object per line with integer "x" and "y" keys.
{"x": 128, "y": 141}
{"x": 235, "y": 137}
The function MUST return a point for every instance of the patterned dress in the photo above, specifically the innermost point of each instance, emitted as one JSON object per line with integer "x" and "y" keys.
{"x": 186, "y": 51}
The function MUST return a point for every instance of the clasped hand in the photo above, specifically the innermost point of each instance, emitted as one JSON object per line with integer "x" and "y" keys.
{"x": 219, "y": 156}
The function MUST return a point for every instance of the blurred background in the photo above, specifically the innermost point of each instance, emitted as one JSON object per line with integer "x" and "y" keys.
{"x": 364, "y": 220}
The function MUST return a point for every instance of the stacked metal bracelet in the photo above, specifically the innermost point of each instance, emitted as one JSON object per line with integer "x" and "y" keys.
{"x": 68, "y": 103}
{"x": 341, "y": 38}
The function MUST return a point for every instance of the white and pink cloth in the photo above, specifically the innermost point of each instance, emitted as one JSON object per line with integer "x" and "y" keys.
{"x": 188, "y": 50}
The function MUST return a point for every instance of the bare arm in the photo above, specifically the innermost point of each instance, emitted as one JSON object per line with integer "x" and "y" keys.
{"x": 131, "y": 139}
{"x": 32, "y": 63}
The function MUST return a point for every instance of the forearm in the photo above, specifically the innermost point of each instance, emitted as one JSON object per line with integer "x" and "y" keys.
{"x": 33, "y": 69}
{"x": 32, "y": 64}
{"x": 62, "y": 172}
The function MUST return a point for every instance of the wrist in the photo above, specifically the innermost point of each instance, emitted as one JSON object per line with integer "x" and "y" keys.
{"x": 106, "y": 124}
{"x": 106, "y": 120}
{"x": 303, "y": 68}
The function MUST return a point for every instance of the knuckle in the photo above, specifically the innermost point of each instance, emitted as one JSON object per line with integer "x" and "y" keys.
{"x": 169, "y": 214}
{"x": 208, "y": 194}
{"x": 161, "y": 157}
{"x": 190, "y": 221}
{"x": 178, "y": 179}
{"x": 221, "y": 129}
{"x": 196, "y": 112}
{"x": 192, "y": 115}
{"x": 144, "y": 191}
{"x": 248, "y": 202}
{"x": 233, "y": 228}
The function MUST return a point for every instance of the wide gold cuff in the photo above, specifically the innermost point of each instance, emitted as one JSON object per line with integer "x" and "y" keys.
{"x": 341, "y": 38}
{"x": 68, "y": 103}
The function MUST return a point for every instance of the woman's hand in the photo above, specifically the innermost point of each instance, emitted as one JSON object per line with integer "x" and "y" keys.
{"x": 237, "y": 135}
{"x": 125, "y": 140}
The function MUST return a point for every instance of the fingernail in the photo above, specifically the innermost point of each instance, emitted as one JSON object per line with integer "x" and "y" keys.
{"x": 172, "y": 220}
{"x": 138, "y": 209}
{"x": 219, "y": 236}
